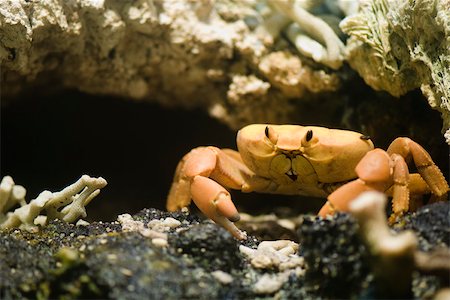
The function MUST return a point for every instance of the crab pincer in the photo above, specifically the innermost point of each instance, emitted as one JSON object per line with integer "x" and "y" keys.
{"x": 215, "y": 202}
{"x": 387, "y": 171}
{"x": 192, "y": 181}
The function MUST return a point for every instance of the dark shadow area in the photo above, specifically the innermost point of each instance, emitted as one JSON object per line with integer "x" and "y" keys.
{"x": 48, "y": 142}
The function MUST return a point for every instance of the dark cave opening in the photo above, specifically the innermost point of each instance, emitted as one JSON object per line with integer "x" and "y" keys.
{"x": 48, "y": 142}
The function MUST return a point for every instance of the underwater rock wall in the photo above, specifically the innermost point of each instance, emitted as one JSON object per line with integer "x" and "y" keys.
{"x": 242, "y": 61}
{"x": 398, "y": 46}
{"x": 178, "y": 53}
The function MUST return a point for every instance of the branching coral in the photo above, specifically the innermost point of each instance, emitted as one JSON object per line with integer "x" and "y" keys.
{"x": 396, "y": 258}
{"x": 319, "y": 30}
{"x": 67, "y": 205}
{"x": 10, "y": 195}
{"x": 393, "y": 255}
{"x": 434, "y": 263}
{"x": 310, "y": 34}
{"x": 398, "y": 46}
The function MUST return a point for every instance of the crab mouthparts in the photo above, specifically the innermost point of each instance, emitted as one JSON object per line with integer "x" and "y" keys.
{"x": 292, "y": 175}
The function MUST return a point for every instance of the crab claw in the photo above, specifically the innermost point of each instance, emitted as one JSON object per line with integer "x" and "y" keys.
{"x": 341, "y": 198}
{"x": 215, "y": 202}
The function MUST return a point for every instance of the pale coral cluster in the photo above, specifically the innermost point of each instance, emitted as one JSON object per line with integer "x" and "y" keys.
{"x": 398, "y": 46}
{"x": 280, "y": 255}
{"x": 67, "y": 205}
{"x": 311, "y": 34}
{"x": 156, "y": 230}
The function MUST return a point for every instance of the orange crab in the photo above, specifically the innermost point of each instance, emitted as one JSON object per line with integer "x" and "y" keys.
{"x": 301, "y": 160}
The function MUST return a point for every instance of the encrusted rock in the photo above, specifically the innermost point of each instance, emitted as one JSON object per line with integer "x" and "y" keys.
{"x": 432, "y": 224}
{"x": 331, "y": 248}
{"x": 286, "y": 72}
{"x": 210, "y": 246}
{"x": 177, "y": 53}
{"x": 398, "y": 46}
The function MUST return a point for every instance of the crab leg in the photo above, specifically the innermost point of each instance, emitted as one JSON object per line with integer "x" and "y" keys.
{"x": 400, "y": 190}
{"x": 416, "y": 187}
{"x": 197, "y": 162}
{"x": 373, "y": 173}
{"x": 340, "y": 199}
{"x": 202, "y": 176}
{"x": 425, "y": 165}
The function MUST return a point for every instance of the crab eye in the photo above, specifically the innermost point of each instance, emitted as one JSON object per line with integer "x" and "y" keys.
{"x": 271, "y": 134}
{"x": 309, "y": 135}
{"x": 309, "y": 138}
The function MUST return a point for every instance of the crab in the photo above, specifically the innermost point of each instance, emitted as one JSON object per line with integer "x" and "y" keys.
{"x": 301, "y": 160}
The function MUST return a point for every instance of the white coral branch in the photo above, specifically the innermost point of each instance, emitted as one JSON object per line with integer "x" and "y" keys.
{"x": 369, "y": 211}
{"x": 317, "y": 29}
{"x": 392, "y": 254}
{"x": 73, "y": 199}
{"x": 10, "y": 195}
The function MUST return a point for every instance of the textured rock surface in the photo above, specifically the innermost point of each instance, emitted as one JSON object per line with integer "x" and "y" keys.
{"x": 102, "y": 260}
{"x": 398, "y": 46}
{"x": 202, "y": 243}
{"x": 219, "y": 56}
{"x": 207, "y": 54}
{"x": 433, "y": 225}
{"x": 337, "y": 260}
{"x": 179, "y": 53}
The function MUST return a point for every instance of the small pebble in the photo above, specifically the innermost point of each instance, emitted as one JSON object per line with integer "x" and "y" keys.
{"x": 171, "y": 222}
{"x": 222, "y": 277}
{"x": 152, "y": 234}
{"x": 82, "y": 222}
{"x": 112, "y": 257}
{"x": 126, "y": 272}
{"x": 268, "y": 284}
{"x": 288, "y": 224}
{"x": 160, "y": 242}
